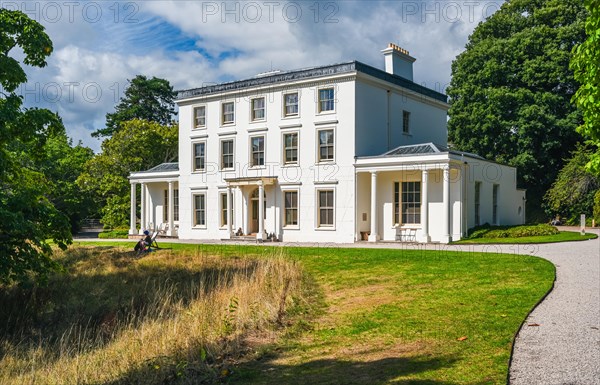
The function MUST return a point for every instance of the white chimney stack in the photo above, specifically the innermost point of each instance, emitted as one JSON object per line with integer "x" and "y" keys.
{"x": 398, "y": 61}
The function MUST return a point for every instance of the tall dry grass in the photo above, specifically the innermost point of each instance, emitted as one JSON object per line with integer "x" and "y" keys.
{"x": 165, "y": 318}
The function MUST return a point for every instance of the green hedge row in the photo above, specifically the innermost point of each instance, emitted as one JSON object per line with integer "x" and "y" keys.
{"x": 487, "y": 231}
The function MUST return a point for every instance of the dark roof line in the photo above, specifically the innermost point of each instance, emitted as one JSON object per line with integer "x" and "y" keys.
{"x": 163, "y": 167}
{"x": 309, "y": 73}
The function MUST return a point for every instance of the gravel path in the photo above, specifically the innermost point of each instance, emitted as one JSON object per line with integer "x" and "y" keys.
{"x": 565, "y": 348}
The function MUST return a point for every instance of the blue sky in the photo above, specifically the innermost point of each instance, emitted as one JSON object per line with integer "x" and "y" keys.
{"x": 98, "y": 45}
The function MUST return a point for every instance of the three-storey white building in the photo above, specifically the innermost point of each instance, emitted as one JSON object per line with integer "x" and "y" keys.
{"x": 337, "y": 153}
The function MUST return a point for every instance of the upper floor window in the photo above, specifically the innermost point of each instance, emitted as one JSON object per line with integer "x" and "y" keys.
{"x": 326, "y": 100}
{"x": 290, "y": 104}
{"x": 406, "y": 122}
{"x": 257, "y": 151}
{"x": 199, "y": 156}
{"x": 326, "y": 145}
{"x": 290, "y": 148}
{"x": 228, "y": 113}
{"x": 227, "y": 154}
{"x": 200, "y": 116}
{"x": 258, "y": 109}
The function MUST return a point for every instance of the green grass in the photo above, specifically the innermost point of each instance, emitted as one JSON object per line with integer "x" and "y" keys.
{"x": 563, "y": 236}
{"x": 396, "y": 316}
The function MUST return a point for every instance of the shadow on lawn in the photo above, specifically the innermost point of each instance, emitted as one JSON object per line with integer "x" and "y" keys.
{"x": 335, "y": 371}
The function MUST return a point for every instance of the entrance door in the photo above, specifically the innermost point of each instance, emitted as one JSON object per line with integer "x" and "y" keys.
{"x": 254, "y": 211}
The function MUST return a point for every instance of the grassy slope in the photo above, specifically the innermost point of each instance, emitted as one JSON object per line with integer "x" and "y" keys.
{"x": 397, "y": 316}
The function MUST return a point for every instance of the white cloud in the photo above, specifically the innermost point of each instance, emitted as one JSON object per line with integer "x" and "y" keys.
{"x": 192, "y": 43}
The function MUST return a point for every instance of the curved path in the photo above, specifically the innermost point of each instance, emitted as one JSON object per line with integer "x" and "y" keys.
{"x": 565, "y": 348}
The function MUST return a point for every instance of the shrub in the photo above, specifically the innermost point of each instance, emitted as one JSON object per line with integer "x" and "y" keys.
{"x": 487, "y": 231}
{"x": 114, "y": 234}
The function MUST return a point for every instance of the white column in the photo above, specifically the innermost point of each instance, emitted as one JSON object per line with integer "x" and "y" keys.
{"x": 373, "y": 237}
{"x": 446, "y": 200}
{"x": 143, "y": 223}
{"x": 261, "y": 212}
{"x": 229, "y": 216}
{"x": 132, "y": 216}
{"x": 425, "y": 206}
{"x": 171, "y": 212}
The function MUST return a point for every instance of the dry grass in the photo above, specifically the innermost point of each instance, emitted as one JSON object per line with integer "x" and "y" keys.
{"x": 115, "y": 319}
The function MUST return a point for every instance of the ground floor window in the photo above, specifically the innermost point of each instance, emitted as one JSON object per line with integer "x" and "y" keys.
{"x": 325, "y": 202}
{"x": 407, "y": 202}
{"x": 290, "y": 199}
{"x": 477, "y": 203}
{"x": 175, "y": 206}
{"x": 199, "y": 210}
{"x": 495, "y": 204}
{"x": 224, "y": 218}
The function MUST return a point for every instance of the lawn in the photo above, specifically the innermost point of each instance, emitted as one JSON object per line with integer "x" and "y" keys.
{"x": 377, "y": 316}
{"x": 563, "y": 236}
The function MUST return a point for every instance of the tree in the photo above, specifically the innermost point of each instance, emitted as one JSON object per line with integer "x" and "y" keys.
{"x": 145, "y": 99}
{"x": 586, "y": 65}
{"x": 62, "y": 163}
{"x": 138, "y": 145}
{"x": 511, "y": 88}
{"x": 28, "y": 217}
{"x": 574, "y": 190}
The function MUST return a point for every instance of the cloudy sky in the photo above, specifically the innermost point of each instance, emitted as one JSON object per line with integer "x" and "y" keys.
{"x": 98, "y": 45}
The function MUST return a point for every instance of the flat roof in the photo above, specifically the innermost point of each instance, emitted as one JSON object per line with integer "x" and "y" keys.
{"x": 281, "y": 77}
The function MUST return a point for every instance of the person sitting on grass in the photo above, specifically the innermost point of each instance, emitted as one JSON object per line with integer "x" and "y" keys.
{"x": 144, "y": 244}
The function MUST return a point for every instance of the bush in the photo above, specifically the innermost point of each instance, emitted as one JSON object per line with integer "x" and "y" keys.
{"x": 487, "y": 231}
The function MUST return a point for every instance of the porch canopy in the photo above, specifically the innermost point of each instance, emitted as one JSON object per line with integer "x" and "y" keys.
{"x": 164, "y": 173}
{"x": 260, "y": 182}
{"x": 420, "y": 159}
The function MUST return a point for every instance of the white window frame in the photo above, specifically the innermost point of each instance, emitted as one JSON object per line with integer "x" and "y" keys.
{"x": 194, "y": 117}
{"x": 399, "y": 203}
{"x": 253, "y": 117}
{"x": 194, "y": 169}
{"x": 221, "y": 162}
{"x": 175, "y": 205}
{"x": 196, "y": 210}
{"x": 223, "y": 122}
{"x": 320, "y": 110}
{"x": 297, "y": 208}
{"x": 285, "y": 113}
{"x": 318, "y": 224}
{"x": 318, "y": 144}
{"x": 223, "y": 208}
{"x": 251, "y": 152}
{"x": 284, "y": 162}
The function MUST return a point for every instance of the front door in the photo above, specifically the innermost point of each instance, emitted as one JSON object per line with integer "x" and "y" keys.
{"x": 254, "y": 211}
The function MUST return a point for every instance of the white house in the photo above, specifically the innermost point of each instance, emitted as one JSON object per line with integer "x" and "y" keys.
{"x": 336, "y": 153}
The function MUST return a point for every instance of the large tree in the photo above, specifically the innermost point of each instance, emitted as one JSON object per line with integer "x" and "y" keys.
{"x": 586, "y": 64}
{"x": 144, "y": 99}
{"x": 511, "y": 89}
{"x": 28, "y": 218}
{"x": 138, "y": 145}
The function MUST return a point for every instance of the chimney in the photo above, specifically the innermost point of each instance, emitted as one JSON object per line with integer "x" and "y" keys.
{"x": 398, "y": 61}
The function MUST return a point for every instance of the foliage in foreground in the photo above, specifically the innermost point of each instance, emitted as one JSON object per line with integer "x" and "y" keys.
{"x": 586, "y": 66}
{"x": 28, "y": 218}
{"x": 574, "y": 190}
{"x": 116, "y": 319}
{"x": 488, "y": 231}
